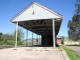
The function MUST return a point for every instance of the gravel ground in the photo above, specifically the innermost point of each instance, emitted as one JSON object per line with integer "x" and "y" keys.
{"x": 25, "y": 53}
{"x": 75, "y": 48}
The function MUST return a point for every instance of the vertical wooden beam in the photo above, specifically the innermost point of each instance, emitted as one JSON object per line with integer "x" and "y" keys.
{"x": 16, "y": 34}
{"x": 37, "y": 39}
{"x": 27, "y": 38}
{"x": 40, "y": 39}
{"x": 53, "y": 29}
{"x": 32, "y": 38}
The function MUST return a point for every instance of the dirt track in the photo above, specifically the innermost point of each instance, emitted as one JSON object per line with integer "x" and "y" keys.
{"x": 24, "y": 53}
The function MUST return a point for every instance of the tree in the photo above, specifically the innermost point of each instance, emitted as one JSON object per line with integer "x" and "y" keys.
{"x": 19, "y": 37}
{"x": 0, "y": 36}
{"x": 9, "y": 39}
{"x": 74, "y": 24}
{"x": 74, "y": 29}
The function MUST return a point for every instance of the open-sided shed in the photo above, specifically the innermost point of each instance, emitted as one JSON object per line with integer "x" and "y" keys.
{"x": 40, "y": 20}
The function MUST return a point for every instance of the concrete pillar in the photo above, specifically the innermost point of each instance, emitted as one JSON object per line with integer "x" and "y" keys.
{"x": 53, "y": 29}
{"x": 16, "y": 34}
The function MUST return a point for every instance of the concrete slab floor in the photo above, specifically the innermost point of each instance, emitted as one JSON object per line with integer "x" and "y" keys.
{"x": 28, "y": 53}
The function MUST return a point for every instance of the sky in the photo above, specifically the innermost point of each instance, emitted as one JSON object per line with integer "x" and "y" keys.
{"x": 9, "y": 9}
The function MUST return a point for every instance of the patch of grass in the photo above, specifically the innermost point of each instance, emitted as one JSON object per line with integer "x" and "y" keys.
{"x": 74, "y": 45}
{"x": 72, "y": 54}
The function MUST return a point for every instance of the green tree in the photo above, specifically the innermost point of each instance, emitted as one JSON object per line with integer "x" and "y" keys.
{"x": 0, "y": 36}
{"x": 19, "y": 37}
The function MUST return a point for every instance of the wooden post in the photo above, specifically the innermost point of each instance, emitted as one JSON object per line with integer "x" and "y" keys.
{"x": 53, "y": 29}
{"x": 16, "y": 34}
{"x": 37, "y": 39}
{"x": 27, "y": 38}
{"x": 32, "y": 38}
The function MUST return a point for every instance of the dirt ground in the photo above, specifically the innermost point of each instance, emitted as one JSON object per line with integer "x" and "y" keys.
{"x": 26, "y": 53}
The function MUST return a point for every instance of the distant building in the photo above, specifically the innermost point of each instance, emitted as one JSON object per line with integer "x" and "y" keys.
{"x": 60, "y": 40}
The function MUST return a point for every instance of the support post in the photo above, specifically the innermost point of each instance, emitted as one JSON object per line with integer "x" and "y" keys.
{"x": 16, "y": 34}
{"x": 27, "y": 38}
{"x": 41, "y": 39}
{"x": 53, "y": 29}
{"x": 32, "y": 38}
{"x": 37, "y": 38}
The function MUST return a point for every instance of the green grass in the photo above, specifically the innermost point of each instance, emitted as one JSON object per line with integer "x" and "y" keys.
{"x": 72, "y": 54}
{"x": 74, "y": 45}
